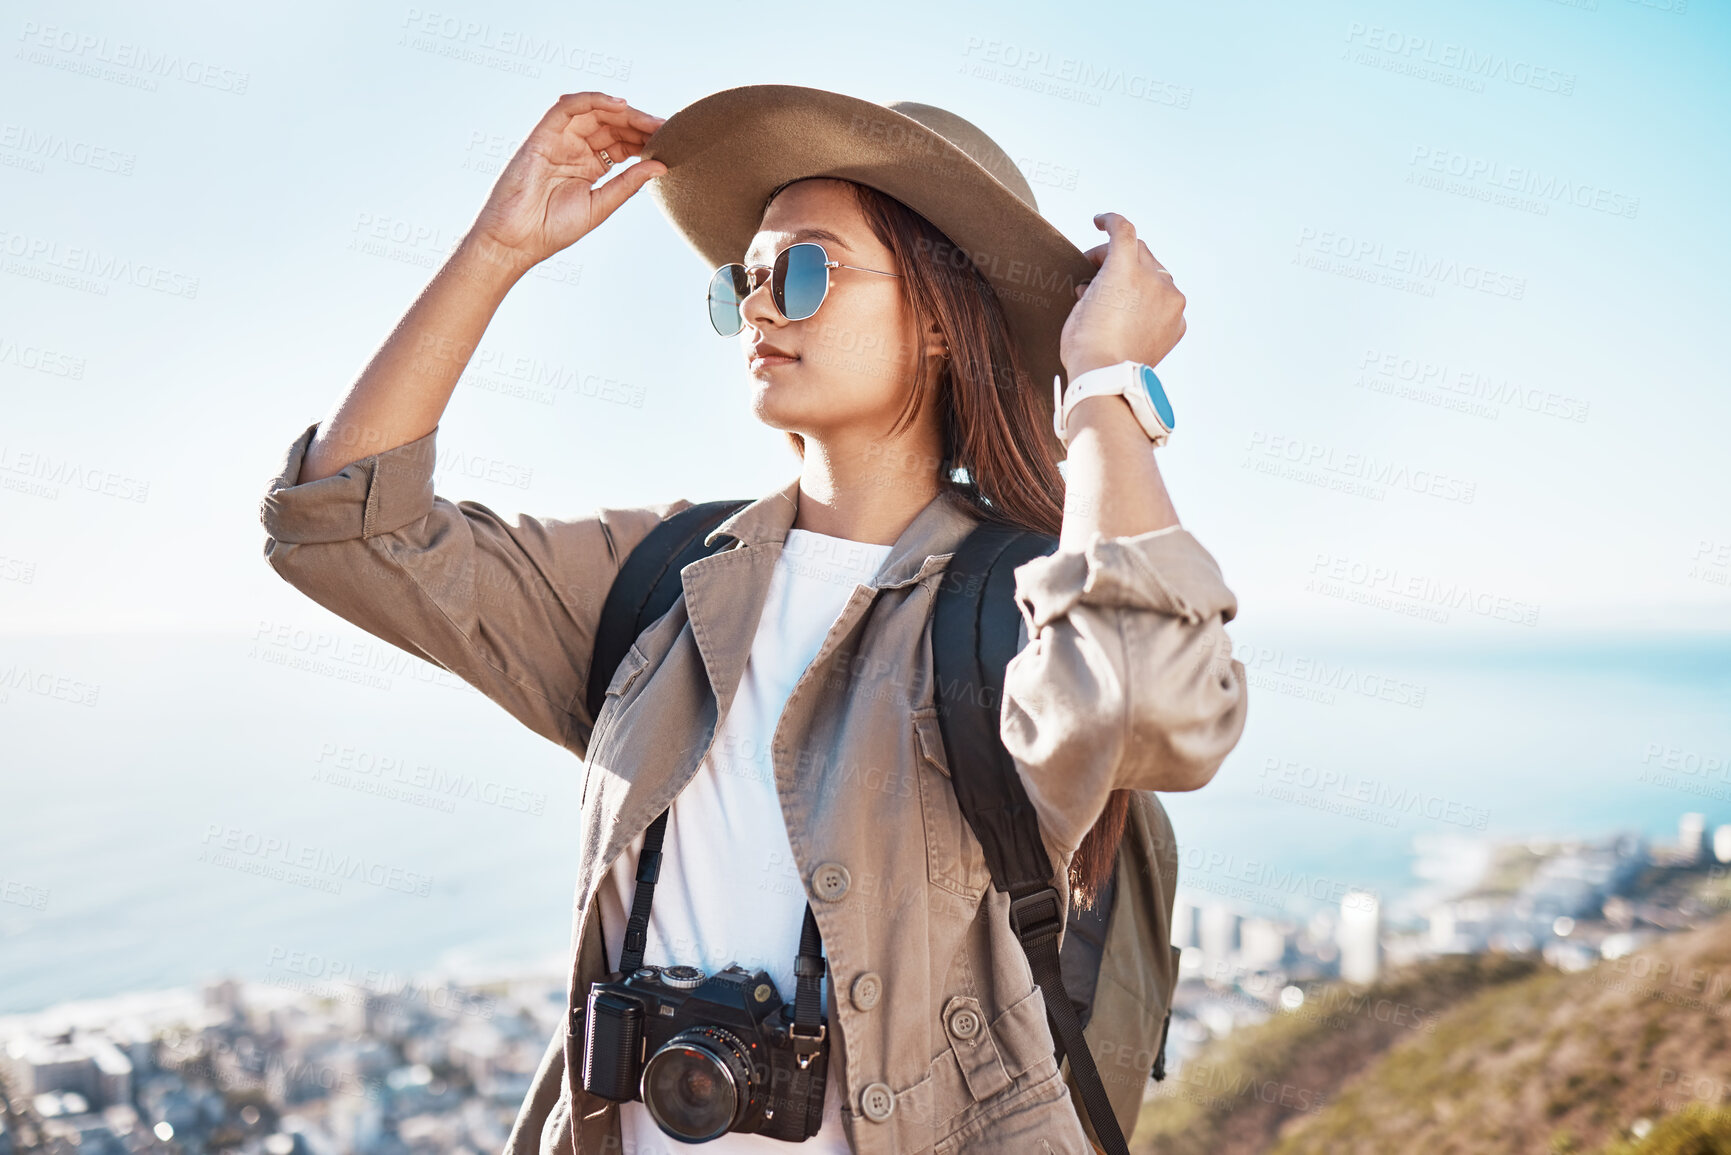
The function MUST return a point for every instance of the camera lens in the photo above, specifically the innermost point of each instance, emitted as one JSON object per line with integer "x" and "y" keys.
{"x": 698, "y": 1084}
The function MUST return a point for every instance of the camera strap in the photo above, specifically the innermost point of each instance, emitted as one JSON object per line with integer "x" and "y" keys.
{"x": 808, "y": 967}
{"x": 648, "y": 870}
{"x": 808, "y": 978}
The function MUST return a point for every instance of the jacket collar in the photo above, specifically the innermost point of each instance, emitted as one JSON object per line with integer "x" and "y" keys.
{"x": 932, "y": 536}
{"x": 725, "y": 592}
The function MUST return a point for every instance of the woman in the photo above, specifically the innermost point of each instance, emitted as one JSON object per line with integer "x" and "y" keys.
{"x": 782, "y": 712}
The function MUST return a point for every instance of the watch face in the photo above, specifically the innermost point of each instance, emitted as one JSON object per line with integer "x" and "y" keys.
{"x": 1157, "y": 395}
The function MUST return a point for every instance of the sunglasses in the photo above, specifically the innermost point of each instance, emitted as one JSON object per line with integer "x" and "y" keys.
{"x": 798, "y": 284}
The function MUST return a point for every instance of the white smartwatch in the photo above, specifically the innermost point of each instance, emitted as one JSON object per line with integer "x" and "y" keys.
{"x": 1137, "y": 384}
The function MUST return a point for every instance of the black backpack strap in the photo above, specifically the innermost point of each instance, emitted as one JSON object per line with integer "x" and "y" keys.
{"x": 975, "y": 611}
{"x": 646, "y": 587}
{"x": 1159, "y": 1071}
{"x": 975, "y": 629}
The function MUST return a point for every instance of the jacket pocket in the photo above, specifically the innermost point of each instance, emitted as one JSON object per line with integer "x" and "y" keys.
{"x": 629, "y": 673}
{"x": 954, "y": 859}
{"x": 630, "y": 666}
{"x": 1040, "y": 1118}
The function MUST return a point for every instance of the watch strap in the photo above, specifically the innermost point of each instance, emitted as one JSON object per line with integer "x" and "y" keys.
{"x": 1120, "y": 379}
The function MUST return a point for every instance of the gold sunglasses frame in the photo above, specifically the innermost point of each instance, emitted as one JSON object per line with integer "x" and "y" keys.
{"x": 750, "y": 279}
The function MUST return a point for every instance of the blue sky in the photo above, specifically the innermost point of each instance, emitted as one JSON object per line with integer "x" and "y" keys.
{"x": 1474, "y": 250}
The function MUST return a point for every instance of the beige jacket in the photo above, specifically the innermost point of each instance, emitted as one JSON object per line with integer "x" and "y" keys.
{"x": 1123, "y": 685}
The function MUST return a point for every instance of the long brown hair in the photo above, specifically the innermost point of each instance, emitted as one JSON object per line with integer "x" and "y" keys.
{"x": 992, "y": 429}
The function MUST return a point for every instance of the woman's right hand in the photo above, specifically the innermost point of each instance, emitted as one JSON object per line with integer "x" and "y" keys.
{"x": 546, "y": 199}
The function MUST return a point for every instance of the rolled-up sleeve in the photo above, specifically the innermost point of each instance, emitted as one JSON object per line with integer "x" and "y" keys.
{"x": 511, "y": 607}
{"x": 1127, "y": 680}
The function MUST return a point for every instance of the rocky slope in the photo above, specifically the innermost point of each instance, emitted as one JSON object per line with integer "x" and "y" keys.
{"x": 1476, "y": 1055}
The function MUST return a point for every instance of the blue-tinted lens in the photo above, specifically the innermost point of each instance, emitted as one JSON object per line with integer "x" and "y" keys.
{"x": 800, "y": 280}
{"x": 1157, "y": 394}
{"x": 727, "y": 289}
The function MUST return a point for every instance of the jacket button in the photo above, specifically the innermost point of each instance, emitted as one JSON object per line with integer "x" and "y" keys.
{"x": 965, "y": 1023}
{"x": 830, "y": 881}
{"x": 877, "y": 1101}
{"x": 867, "y": 989}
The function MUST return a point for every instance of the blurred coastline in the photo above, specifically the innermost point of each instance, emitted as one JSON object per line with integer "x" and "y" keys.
{"x": 326, "y": 1058}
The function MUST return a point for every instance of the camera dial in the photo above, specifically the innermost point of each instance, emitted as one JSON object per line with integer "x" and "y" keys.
{"x": 682, "y": 978}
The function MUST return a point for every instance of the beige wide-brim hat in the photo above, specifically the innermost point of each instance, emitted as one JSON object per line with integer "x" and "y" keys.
{"x": 726, "y": 153}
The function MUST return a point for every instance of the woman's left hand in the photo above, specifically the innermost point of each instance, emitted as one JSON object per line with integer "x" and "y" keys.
{"x": 1130, "y": 312}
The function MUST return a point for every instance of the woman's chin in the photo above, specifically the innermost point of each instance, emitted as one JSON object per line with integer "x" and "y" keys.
{"x": 795, "y": 404}
{"x": 779, "y": 405}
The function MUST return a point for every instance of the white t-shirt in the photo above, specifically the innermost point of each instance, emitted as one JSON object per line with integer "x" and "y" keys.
{"x": 729, "y": 891}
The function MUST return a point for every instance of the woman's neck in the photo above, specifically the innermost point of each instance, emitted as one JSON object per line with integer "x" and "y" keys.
{"x": 867, "y": 490}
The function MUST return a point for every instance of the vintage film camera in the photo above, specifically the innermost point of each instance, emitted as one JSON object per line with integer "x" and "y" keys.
{"x": 707, "y": 1054}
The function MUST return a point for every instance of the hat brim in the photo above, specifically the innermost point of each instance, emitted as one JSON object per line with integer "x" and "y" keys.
{"x": 726, "y": 153}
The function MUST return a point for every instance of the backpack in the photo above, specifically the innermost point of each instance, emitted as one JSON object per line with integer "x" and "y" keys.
{"x": 1117, "y": 968}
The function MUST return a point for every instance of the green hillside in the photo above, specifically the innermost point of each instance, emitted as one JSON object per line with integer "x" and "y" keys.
{"x": 1476, "y": 1055}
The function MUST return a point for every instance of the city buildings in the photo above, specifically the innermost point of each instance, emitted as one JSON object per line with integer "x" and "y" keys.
{"x": 1575, "y": 902}
{"x": 384, "y": 1066}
